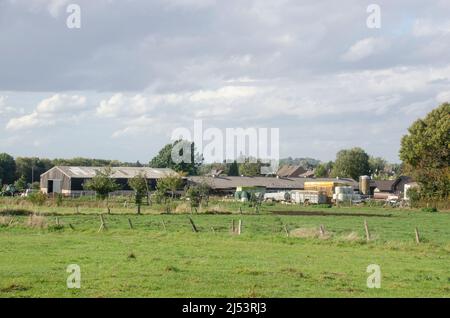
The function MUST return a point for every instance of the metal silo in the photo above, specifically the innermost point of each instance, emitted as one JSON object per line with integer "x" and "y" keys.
{"x": 364, "y": 185}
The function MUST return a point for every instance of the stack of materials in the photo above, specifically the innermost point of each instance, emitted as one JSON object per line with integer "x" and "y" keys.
{"x": 310, "y": 196}
{"x": 345, "y": 194}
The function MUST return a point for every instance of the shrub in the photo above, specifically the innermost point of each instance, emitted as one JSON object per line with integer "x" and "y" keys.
{"x": 37, "y": 198}
{"x": 429, "y": 210}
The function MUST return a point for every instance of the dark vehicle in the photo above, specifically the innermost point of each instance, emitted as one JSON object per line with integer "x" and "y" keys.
{"x": 9, "y": 191}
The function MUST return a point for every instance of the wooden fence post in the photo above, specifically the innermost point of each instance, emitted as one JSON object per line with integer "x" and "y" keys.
{"x": 130, "y": 223}
{"x": 366, "y": 227}
{"x": 194, "y": 228}
{"x": 102, "y": 223}
{"x": 233, "y": 229}
{"x": 164, "y": 225}
{"x": 286, "y": 230}
{"x": 57, "y": 221}
{"x": 240, "y": 227}
{"x": 322, "y": 230}
{"x": 417, "y": 235}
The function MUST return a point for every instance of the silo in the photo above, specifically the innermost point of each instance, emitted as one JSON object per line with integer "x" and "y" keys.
{"x": 364, "y": 185}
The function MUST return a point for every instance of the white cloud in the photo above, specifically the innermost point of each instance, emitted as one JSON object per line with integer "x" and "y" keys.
{"x": 223, "y": 93}
{"x": 5, "y": 109}
{"x": 443, "y": 97}
{"x": 365, "y": 48}
{"x": 57, "y": 108}
{"x": 54, "y": 7}
{"x": 425, "y": 27}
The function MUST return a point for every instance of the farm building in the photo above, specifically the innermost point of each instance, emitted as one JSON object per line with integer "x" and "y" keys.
{"x": 290, "y": 171}
{"x": 229, "y": 184}
{"x": 69, "y": 180}
{"x": 381, "y": 189}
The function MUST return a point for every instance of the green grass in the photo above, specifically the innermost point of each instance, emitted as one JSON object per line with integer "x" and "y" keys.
{"x": 150, "y": 261}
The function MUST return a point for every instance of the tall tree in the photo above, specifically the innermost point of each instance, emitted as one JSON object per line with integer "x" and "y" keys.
{"x": 425, "y": 152}
{"x": 165, "y": 157}
{"x": 250, "y": 168}
{"x": 140, "y": 186}
{"x": 321, "y": 171}
{"x": 233, "y": 170}
{"x": 351, "y": 163}
{"x": 103, "y": 184}
{"x": 31, "y": 168}
{"x": 7, "y": 169}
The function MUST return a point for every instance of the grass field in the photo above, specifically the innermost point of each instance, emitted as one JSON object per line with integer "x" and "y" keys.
{"x": 170, "y": 260}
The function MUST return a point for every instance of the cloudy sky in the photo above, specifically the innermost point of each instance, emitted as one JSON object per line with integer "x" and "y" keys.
{"x": 117, "y": 87}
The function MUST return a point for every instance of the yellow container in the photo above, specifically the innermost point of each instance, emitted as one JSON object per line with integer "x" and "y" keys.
{"x": 326, "y": 187}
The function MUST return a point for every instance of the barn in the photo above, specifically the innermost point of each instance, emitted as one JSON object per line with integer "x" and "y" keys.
{"x": 69, "y": 180}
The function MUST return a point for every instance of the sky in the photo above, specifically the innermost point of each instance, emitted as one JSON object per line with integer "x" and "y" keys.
{"x": 118, "y": 86}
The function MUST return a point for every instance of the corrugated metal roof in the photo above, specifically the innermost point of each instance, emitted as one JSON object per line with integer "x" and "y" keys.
{"x": 228, "y": 182}
{"x": 119, "y": 172}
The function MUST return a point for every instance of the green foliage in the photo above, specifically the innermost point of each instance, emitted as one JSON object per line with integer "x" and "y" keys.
{"x": 164, "y": 158}
{"x": 351, "y": 163}
{"x": 425, "y": 151}
{"x": 21, "y": 184}
{"x": 140, "y": 186}
{"x": 102, "y": 183}
{"x": 170, "y": 183}
{"x": 431, "y": 210}
{"x": 32, "y": 168}
{"x": 37, "y": 198}
{"x": 198, "y": 194}
{"x": 321, "y": 171}
{"x": 7, "y": 168}
{"x": 250, "y": 168}
{"x": 233, "y": 169}
{"x": 414, "y": 197}
{"x": 59, "y": 199}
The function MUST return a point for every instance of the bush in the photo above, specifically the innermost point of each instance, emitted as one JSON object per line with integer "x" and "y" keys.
{"x": 429, "y": 210}
{"x": 321, "y": 206}
{"x": 37, "y": 198}
{"x": 59, "y": 199}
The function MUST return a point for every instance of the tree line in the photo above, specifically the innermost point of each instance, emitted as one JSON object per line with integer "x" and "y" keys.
{"x": 424, "y": 153}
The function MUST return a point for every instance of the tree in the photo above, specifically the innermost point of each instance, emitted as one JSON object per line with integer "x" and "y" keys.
{"x": 425, "y": 152}
{"x": 321, "y": 171}
{"x": 7, "y": 168}
{"x": 351, "y": 163}
{"x": 21, "y": 184}
{"x": 31, "y": 168}
{"x": 103, "y": 184}
{"x": 170, "y": 183}
{"x": 197, "y": 194}
{"x": 233, "y": 170}
{"x": 250, "y": 168}
{"x": 140, "y": 186}
{"x": 164, "y": 159}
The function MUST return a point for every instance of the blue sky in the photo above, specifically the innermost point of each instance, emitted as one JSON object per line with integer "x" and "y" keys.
{"x": 117, "y": 87}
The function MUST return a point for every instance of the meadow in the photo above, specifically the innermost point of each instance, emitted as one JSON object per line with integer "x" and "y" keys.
{"x": 279, "y": 253}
